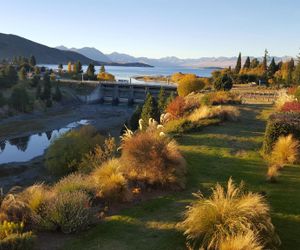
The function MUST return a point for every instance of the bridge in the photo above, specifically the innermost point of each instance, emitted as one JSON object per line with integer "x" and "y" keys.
{"x": 117, "y": 92}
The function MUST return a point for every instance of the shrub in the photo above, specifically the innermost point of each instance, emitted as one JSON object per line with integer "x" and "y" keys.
{"x": 153, "y": 159}
{"x": 99, "y": 155}
{"x": 224, "y": 113}
{"x": 14, "y": 209}
{"x": 109, "y": 181}
{"x": 19, "y": 99}
{"x": 297, "y": 94}
{"x": 285, "y": 151}
{"x": 291, "y": 107}
{"x": 223, "y": 82}
{"x": 13, "y": 237}
{"x": 68, "y": 212}
{"x": 176, "y": 107}
{"x": 282, "y": 98}
{"x": 245, "y": 241}
{"x": 189, "y": 84}
{"x": 72, "y": 183}
{"x": 220, "y": 97}
{"x": 227, "y": 213}
{"x": 280, "y": 124}
{"x": 65, "y": 153}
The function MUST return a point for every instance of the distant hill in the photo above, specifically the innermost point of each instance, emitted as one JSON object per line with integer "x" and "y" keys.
{"x": 173, "y": 61}
{"x": 12, "y": 45}
{"x": 91, "y": 53}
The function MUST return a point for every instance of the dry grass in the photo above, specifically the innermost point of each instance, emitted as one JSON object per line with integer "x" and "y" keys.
{"x": 152, "y": 159}
{"x": 229, "y": 113}
{"x": 74, "y": 182}
{"x": 246, "y": 241}
{"x": 110, "y": 182}
{"x": 273, "y": 173}
{"x": 285, "y": 151}
{"x": 228, "y": 212}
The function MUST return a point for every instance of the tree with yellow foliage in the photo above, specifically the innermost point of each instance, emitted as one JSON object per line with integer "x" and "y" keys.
{"x": 106, "y": 77}
{"x": 69, "y": 67}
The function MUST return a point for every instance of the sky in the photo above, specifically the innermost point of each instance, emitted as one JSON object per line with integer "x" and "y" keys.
{"x": 159, "y": 28}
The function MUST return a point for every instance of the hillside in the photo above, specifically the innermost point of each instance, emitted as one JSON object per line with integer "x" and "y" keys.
{"x": 12, "y": 45}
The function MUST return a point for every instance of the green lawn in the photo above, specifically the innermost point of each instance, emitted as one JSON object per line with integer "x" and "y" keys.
{"x": 213, "y": 155}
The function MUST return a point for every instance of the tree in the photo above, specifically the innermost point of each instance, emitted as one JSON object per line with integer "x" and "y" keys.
{"x": 19, "y": 99}
{"x": 223, "y": 82}
{"x": 69, "y": 67}
{"x": 32, "y": 61}
{"x": 292, "y": 64}
{"x": 161, "y": 100}
{"x": 238, "y": 64}
{"x": 79, "y": 67}
{"x": 11, "y": 75}
{"x": 60, "y": 67}
{"x": 134, "y": 120}
{"x": 247, "y": 63}
{"x": 91, "y": 72}
{"x": 102, "y": 69}
{"x": 47, "y": 88}
{"x": 38, "y": 93}
{"x": 297, "y": 71}
{"x": 272, "y": 68}
{"x": 254, "y": 63}
{"x": 57, "y": 95}
{"x": 74, "y": 68}
{"x": 37, "y": 70}
{"x": 35, "y": 80}
{"x": 22, "y": 74}
{"x": 265, "y": 60}
{"x": 150, "y": 110}
{"x": 189, "y": 84}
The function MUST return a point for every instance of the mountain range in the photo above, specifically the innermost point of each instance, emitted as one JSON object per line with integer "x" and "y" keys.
{"x": 12, "y": 46}
{"x": 171, "y": 61}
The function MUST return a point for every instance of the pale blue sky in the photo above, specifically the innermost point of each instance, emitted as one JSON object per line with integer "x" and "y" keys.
{"x": 157, "y": 28}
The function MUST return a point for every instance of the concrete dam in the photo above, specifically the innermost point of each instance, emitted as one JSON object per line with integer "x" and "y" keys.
{"x": 116, "y": 92}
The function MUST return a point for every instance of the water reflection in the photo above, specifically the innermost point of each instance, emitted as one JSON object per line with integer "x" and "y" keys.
{"x": 25, "y": 148}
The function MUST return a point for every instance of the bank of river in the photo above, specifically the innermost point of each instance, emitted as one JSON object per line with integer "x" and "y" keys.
{"x": 106, "y": 118}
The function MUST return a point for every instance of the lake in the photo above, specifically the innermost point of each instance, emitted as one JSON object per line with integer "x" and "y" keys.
{"x": 22, "y": 149}
{"x": 125, "y": 73}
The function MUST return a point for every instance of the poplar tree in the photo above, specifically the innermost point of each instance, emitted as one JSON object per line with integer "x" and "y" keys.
{"x": 32, "y": 61}
{"x": 265, "y": 61}
{"x": 69, "y": 67}
{"x": 272, "y": 68}
{"x": 238, "y": 64}
{"x": 102, "y": 69}
{"x": 91, "y": 71}
{"x": 247, "y": 63}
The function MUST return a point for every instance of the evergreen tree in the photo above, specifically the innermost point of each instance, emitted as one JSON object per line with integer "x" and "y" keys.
{"x": 11, "y": 75}
{"x": 57, "y": 95}
{"x": 161, "y": 100}
{"x": 272, "y": 68}
{"x": 292, "y": 64}
{"x": 265, "y": 61}
{"x": 60, "y": 67}
{"x": 254, "y": 63}
{"x": 38, "y": 93}
{"x": 22, "y": 74}
{"x": 102, "y": 69}
{"x": 247, "y": 63}
{"x": 91, "y": 72}
{"x": 47, "y": 88}
{"x": 134, "y": 120}
{"x": 170, "y": 98}
{"x": 32, "y": 61}
{"x": 37, "y": 70}
{"x": 297, "y": 71}
{"x": 150, "y": 110}
{"x": 238, "y": 64}
{"x": 19, "y": 99}
{"x": 35, "y": 80}
{"x": 79, "y": 67}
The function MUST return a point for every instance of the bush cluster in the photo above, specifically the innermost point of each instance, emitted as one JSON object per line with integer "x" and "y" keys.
{"x": 220, "y": 97}
{"x": 293, "y": 106}
{"x": 281, "y": 124}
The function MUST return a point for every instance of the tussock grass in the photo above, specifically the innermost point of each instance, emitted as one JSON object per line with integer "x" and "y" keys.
{"x": 285, "y": 151}
{"x": 227, "y": 212}
{"x": 246, "y": 241}
{"x": 109, "y": 181}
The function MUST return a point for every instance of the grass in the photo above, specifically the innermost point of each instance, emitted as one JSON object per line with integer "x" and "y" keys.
{"x": 213, "y": 155}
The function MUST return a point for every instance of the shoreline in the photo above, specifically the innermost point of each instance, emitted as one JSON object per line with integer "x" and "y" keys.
{"x": 107, "y": 119}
